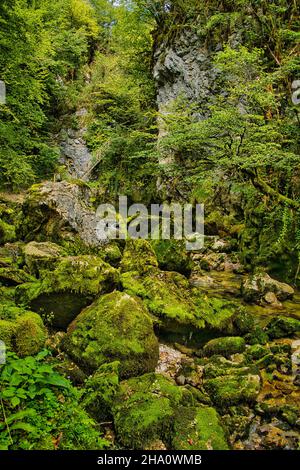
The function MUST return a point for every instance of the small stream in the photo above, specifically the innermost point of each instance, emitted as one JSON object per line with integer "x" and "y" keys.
{"x": 227, "y": 285}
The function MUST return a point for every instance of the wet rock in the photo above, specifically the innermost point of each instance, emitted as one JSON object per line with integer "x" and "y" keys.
{"x": 255, "y": 287}
{"x": 180, "y": 380}
{"x": 198, "y": 280}
{"x": 59, "y": 211}
{"x": 271, "y": 299}
{"x": 169, "y": 361}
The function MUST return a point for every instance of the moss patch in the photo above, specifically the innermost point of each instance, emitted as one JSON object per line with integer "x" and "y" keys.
{"x": 138, "y": 256}
{"x": 172, "y": 255}
{"x": 225, "y": 346}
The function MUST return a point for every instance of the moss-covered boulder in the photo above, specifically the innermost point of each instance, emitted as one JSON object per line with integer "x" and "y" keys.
{"x": 184, "y": 311}
{"x": 30, "y": 334}
{"x": 100, "y": 391}
{"x": 41, "y": 256}
{"x": 281, "y": 326}
{"x": 198, "y": 428}
{"x": 73, "y": 284}
{"x": 138, "y": 256}
{"x": 166, "y": 295}
{"x": 116, "y": 327}
{"x": 256, "y": 286}
{"x": 7, "y": 332}
{"x": 173, "y": 256}
{"x": 225, "y": 346}
{"x": 26, "y": 335}
{"x": 233, "y": 388}
{"x": 144, "y": 409}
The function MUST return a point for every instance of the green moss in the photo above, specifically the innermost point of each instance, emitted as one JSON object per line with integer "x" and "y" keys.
{"x": 100, "y": 390}
{"x": 280, "y": 327}
{"x": 166, "y": 295}
{"x": 30, "y": 334}
{"x": 225, "y": 346}
{"x": 257, "y": 336}
{"x": 233, "y": 389}
{"x": 256, "y": 352}
{"x": 117, "y": 327}
{"x": 11, "y": 276}
{"x": 172, "y": 255}
{"x": 138, "y": 256}
{"x": 7, "y": 332}
{"x": 9, "y": 310}
{"x": 144, "y": 409}
{"x": 71, "y": 286}
{"x": 198, "y": 429}
{"x": 7, "y": 233}
{"x": 182, "y": 310}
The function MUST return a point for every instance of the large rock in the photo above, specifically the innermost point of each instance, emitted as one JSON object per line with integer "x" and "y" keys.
{"x": 116, "y": 327}
{"x": 255, "y": 287}
{"x": 54, "y": 211}
{"x": 73, "y": 284}
{"x": 12, "y": 276}
{"x": 145, "y": 407}
{"x": 228, "y": 383}
{"x": 198, "y": 428}
{"x": 40, "y": 256}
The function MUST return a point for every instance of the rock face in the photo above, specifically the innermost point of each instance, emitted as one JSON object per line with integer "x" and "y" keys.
{"x": 117, "y": 327}
{"x": 184, "y": 68}
{"x": 75, "y": 154}
{"x": 53, "y": 211}
{"x": 258, "y": 285}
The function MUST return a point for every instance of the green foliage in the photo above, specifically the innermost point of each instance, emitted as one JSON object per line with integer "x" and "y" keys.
{"x": 43, "y": 46}
{"x": 40, "y": 409}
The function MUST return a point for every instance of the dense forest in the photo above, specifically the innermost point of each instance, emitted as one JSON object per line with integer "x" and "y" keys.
{"x": 141, "y": 343}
